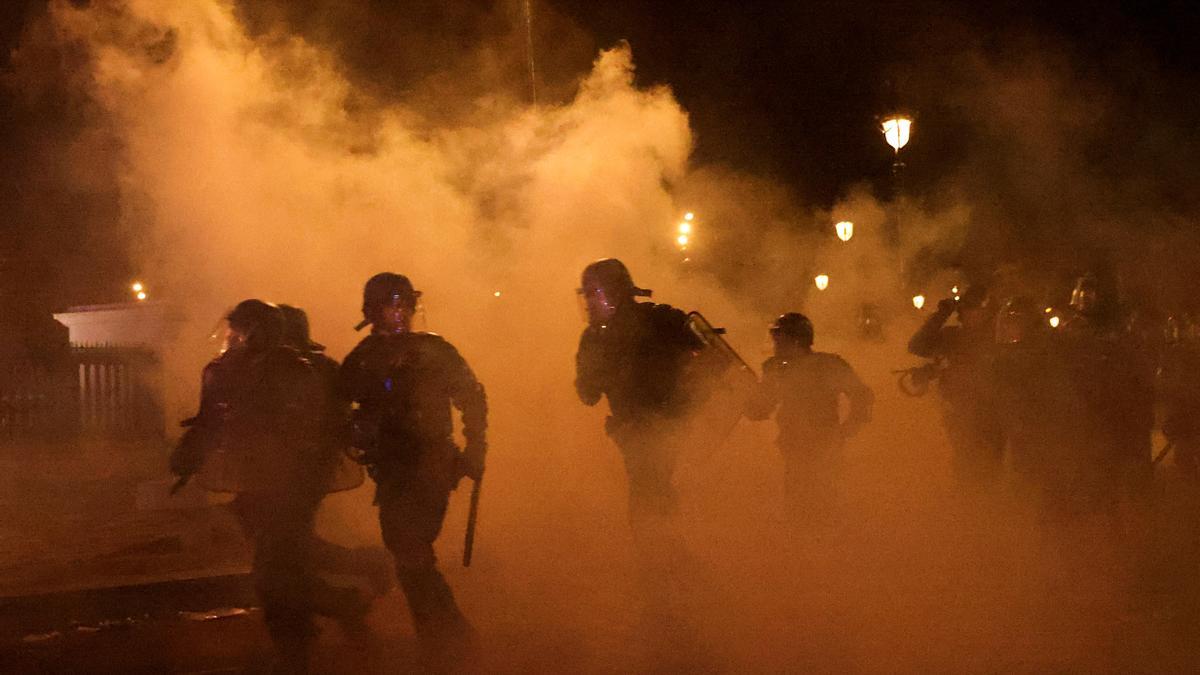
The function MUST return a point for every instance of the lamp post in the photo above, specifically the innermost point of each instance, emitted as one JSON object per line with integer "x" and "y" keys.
{"x": 897, "y": 129}
{"x": 845, "y": 230}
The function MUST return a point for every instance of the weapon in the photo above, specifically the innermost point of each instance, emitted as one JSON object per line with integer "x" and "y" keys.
{"x": 915, "y": 381}
{"x": 472, "y": 518}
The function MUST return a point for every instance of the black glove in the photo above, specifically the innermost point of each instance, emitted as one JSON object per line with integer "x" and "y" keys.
{"x": 187, "y": 458}
{"x": 470, "y": 460}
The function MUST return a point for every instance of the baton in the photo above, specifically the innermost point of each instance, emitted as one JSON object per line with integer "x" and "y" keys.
{"x": 1162, "y": 453}
{"x": 472, "y": 517}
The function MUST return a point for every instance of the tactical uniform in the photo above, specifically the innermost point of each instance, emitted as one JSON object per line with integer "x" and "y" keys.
{"x": 1115, "y": 373}
{"x": 257, "y": 434}
{"x": 1045, "y": 419}
{"x": 638, "y": 359}
{"x": 965, "y": 389}
{"x": 805, "y": 387}
{"x": 404, "y": 384}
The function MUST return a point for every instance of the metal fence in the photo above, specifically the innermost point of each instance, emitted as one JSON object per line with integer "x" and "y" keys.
{"x": 112, "y": 392}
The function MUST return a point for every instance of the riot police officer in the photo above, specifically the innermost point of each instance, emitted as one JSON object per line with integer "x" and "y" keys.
{"x": 964, "y": 385}
{"x": 257, "y": 434}
{"x": 806, "y": 386}
{"x": 636, "y": 354}
{"x": 404, "y": 383}
{"x": 370, "y": 563}
{"x": 1116, "y": 373}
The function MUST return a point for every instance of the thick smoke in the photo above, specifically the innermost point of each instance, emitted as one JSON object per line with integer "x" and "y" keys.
{"x": 260, "y": 162}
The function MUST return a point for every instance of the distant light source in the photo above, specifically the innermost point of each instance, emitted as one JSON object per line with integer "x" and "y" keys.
{"x": 845, "y": 230}
{"x": 141, "y": 295}
{"x": 1054, "y": 321}
{"x": 689, "y": 216}
{"x": 918, "y": 301}
{"x": 896, "y": 130}
{"x": 496, "y": 294}
{"x": 685, "y": 228}
{"x": 138, "y": 287}
{"x": 822, "y": 281}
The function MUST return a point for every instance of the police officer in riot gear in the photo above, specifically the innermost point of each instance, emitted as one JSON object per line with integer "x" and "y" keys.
{"x": 370, "y": 563}
{"x": 405, "y": 384}
{"x": 1115, "y": 371}
{"x": 258, "y": 435}
{"x": 805, "y": 386}
{"x": 964, "y": 386}
{"x": 635, "y": 354}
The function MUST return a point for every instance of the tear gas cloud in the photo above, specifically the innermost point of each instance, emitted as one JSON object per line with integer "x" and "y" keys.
{"x": 254, "y": 164}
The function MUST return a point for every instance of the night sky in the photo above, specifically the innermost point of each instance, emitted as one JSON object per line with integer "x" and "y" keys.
{"x": 786, "y": 90}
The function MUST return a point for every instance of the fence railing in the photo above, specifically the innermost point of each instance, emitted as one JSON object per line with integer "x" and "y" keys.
{"x": 112, "y": 392}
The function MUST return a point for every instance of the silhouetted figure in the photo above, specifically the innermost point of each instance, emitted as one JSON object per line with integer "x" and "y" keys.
{"x": 370, "y": 563}
{"x": 258, "y": 435}
{"x": 965, "y": 384}
{"x": 806, "y": 387}
{"x": 636, "y": 354}
{"x": 1116, "y": 374}
{"x": 1051, "y": 434}
{"x": 405, "y": 384}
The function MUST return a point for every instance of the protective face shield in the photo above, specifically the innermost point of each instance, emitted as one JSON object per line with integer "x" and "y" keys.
{"x": 597, "y": 305}
{"x": 389, "y": 302}
{"x": 395, "y": 315}
{"x": 1085, "y": 296}
{"x": 605, "y": 286}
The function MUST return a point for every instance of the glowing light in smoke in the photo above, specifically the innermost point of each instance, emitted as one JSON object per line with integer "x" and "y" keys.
{"x": 496, "y": 294}
{"x": 141, "y": 295}
{"x": 682, "y": 240}
{"x": 918, "y": 301}
{"x": 138, "y": 287}
{"x": 689, "y": 216}
{"x": 685, "y": 228}
{"x": 845, "y": 230}
{"x": 896, "y": 130}
{"x": 1054, "y": 321}
{"x": 822, "y": 281}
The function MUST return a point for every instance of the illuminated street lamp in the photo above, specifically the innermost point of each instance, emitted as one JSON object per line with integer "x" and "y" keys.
{"x": 1054, "y": 321}
{"x": 685, "y": 231}
{"x": 896, "y": 130}
{"x": 845, "y": 230}
{"x": 822, "y": 281}
{"x": 918, "y": 301}
{"x": 139, "y": 290}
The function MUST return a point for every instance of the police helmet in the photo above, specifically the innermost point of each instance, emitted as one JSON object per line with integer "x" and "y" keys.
{"x": 795, "y": 327}
{"x": 261, "y": 322}
{"x": 296, "y": 332}
{"x": 383, "y": 290}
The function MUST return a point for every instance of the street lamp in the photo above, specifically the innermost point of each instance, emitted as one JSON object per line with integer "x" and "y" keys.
{"x": 918, "y": 301}
{"x": 896, "y": 130}
{"x": 845, "y": 230}
{"x": 822, "y": 281}
{"x": 685, "y": 227}
{"x": 139, "y": 290}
